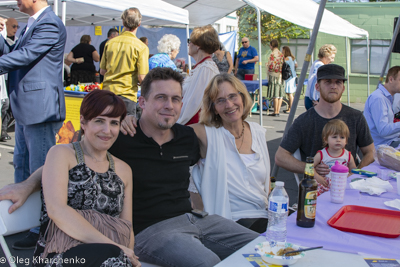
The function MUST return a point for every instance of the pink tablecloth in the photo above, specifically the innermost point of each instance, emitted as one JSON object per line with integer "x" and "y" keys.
{"x": 332, "y": 239}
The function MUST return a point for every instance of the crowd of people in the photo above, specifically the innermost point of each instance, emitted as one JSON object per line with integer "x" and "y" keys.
{"x": 125, "y": 193}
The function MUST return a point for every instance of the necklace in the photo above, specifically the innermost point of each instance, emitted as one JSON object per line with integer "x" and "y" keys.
{"x": 93, "y": 158}
{"x": 241, "y": 133}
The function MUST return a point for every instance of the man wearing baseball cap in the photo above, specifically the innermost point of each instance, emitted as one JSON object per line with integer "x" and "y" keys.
{"x": 305, "y": 132}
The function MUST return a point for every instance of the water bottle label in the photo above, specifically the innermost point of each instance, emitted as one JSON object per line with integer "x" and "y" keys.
{"x": 278, "y": 207}
{"x": 310, "y": 204}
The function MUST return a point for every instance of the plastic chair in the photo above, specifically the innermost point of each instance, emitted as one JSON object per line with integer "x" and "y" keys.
{"x": 24, "y": 218}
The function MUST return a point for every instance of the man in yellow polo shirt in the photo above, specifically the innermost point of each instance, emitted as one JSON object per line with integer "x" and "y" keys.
{"x": 125, "y": 61}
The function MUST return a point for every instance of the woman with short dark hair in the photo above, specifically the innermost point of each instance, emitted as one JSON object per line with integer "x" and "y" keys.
{"x": 82, "y": 57}
{"x": 87, "y": 193}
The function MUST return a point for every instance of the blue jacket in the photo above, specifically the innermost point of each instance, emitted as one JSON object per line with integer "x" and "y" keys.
{"x": 35, "y": 66}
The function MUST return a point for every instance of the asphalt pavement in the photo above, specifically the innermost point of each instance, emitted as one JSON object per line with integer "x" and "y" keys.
{"x": 274, "y": 125}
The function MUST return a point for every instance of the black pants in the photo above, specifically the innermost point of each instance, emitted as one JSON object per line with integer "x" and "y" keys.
{"x": 258, "y": 225}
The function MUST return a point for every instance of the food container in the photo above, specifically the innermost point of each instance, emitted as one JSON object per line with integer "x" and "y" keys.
{"x": 265, "y": 249}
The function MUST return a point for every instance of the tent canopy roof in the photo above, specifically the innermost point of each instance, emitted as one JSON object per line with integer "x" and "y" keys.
{"x": 107, "y": 12}
{"x": 299, "y": 12}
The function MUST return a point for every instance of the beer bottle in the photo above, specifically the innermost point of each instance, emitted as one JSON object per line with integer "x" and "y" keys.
{"x": 307, "y": 201}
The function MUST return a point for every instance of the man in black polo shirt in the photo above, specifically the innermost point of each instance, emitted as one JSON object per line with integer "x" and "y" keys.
{"x": 160, "y": 154}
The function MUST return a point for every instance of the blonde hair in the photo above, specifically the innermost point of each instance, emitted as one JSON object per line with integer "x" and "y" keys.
{"x": 207, "y": 114}
{"x": 333, "y": 127}
{"x": 326, "y": 50}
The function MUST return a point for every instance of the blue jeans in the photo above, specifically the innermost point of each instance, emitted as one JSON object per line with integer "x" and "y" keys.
{"x": 241, "y": 72}
{"x": 187, "y": 240}
{"x": 31, "y": 145}
{"x": 308, "y": 103}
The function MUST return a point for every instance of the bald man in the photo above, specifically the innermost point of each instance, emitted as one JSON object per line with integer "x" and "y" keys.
{"x": 246, "y": 59}
{"x": 12, "y": 27}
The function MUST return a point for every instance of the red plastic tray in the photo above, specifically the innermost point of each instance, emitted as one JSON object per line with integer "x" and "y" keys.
{"x": 367, "y": 221}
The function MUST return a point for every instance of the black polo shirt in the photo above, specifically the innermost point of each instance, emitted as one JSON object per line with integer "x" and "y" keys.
{"x": 160, "y": 173}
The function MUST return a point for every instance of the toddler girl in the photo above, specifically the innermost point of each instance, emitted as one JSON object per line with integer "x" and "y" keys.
{"x": 334, "y": 138}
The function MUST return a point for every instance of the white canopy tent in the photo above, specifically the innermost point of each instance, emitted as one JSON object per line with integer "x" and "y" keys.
{"x": 300, "y": 12}
{"x": 105, "y": 12}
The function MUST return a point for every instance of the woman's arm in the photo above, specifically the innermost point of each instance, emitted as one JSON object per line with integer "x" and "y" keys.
{"x": 95, "y": 56}
{"x": 55, "y": 189}
{"x": 70, "y": 57}
{"x": 229, "y": 58}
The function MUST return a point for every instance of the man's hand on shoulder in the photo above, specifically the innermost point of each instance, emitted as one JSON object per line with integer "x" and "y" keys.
{"x": 17, "y": 193}
{"x": 2, "y": 24}
{"x": 128, "y": 125}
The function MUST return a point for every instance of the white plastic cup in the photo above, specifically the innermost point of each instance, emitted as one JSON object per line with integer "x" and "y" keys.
{"x": 338, "y": 182}
{"x": 398, "y": 182}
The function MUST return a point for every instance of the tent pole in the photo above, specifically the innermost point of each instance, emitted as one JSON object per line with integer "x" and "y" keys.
{"x": 347, "y": 70}
{"x": 55, "y": 7}
{"x": 63, "y": 10}
{"x": 260, "y": 100}
{"x": 188, "y": 36}
{"x": 368, "y": 70}
{"x": 396, "y": 32}
{"x": 303, "y": 73}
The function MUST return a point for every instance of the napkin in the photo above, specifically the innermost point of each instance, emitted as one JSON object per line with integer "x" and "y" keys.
{"x": 372, "y": 186}
{"x": 395, "y": 203}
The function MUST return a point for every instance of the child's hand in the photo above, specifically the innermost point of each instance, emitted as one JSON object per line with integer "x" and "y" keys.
{"x": 321, "y": 180}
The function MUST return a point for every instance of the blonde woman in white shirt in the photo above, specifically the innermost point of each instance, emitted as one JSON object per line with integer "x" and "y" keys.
{"x": 233, "y": 175}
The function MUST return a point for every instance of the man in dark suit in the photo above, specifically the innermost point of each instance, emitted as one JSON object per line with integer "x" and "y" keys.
{"x": 34, "y": 66}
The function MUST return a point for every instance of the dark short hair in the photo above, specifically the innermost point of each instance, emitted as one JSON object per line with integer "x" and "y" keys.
{"x": 392, "y": 72}
{"x": 95, "y": 102}
{"x": 85, "y": 39}
{"x": 143, "y": 39}
{"x": 111, "y": 31}
{"x": 205, "y": 37}
{"x": 159, "y": 74}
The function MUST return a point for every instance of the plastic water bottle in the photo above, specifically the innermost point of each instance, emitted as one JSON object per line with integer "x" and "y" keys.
{"x": 277, "y": 213}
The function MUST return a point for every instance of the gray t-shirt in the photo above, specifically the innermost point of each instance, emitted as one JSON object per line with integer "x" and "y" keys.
{"x": 306, "y": 132}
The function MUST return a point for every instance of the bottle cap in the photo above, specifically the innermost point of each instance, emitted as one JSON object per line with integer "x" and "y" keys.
{"x": 339, "y": 168}
{"x": 279, "y": 183}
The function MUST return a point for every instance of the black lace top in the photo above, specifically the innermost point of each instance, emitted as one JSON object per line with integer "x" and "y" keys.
{"x": 87, "y": 189}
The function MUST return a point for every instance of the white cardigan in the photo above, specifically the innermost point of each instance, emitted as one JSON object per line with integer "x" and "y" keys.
{"x": 211, "y": 178}
{"x": 193, "y": 89}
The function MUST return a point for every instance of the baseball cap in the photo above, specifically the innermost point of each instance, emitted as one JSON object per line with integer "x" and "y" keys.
{"x": 331, "y": 71}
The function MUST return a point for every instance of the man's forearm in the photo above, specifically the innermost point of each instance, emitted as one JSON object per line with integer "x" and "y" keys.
{"x": 285, "y": 159}
{"x": 34, "y": 181}
{"x": 368, "y": 155}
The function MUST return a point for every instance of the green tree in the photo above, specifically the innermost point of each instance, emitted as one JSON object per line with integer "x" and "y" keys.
{"x": 272, "y": 27}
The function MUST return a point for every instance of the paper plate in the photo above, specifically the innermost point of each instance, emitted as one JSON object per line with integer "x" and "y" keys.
{"x": 265, "y": 248}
